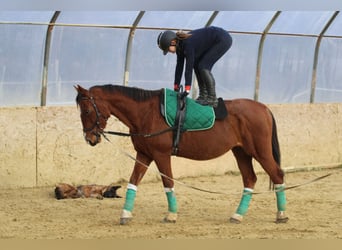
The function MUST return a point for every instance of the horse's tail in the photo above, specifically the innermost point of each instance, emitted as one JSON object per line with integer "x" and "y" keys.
{"x": 275, "y": 142}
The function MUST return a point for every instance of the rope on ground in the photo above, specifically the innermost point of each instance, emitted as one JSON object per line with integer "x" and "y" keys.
{"x": 218, "y": 192}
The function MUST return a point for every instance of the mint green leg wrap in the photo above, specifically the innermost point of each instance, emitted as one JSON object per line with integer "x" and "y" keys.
{"x": 244, "y": 202}
{"x": 281, "y": 197}
{"x": 172, "y": 202}
{"x": 130, "y": 197}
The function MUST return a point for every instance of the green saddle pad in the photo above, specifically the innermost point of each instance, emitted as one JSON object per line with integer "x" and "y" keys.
{"x": 197, "y": 117}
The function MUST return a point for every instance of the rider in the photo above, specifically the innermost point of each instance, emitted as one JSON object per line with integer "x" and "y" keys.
{"x": 201, "y": 49}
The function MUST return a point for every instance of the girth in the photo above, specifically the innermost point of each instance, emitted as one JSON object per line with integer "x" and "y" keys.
{"x": 179, "y": 122}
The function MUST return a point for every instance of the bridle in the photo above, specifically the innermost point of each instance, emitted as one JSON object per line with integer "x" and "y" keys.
{"x": 98, "y": 115}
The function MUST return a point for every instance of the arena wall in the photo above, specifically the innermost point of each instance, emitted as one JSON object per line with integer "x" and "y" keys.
{"x": 42, "y": 146}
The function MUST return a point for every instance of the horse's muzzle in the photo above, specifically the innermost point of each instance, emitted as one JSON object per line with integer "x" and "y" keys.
{"x": 92, "y": 138}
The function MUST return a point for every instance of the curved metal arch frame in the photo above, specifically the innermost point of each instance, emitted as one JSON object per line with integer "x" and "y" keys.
{"x": 134, "y": 27}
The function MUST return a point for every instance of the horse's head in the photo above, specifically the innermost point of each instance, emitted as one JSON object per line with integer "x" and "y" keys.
{"x": 94, "y": 115}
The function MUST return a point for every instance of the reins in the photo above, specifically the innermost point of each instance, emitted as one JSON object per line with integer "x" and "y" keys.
{"x": 137, "y": 134}
{"x": 193, "y": 187}
{"x": 97, "y": 123}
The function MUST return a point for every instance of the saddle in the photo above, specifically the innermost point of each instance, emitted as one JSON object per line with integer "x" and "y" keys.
{"x": 187, "y": 115}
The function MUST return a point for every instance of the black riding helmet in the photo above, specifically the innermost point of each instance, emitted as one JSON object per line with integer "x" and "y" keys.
{"x": 164, "y": 40}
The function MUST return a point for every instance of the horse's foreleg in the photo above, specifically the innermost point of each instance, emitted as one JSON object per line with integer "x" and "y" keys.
{"x": 164, "y": 166}
{"x": 139, "y": 171}
{"x": 249, "y": 179}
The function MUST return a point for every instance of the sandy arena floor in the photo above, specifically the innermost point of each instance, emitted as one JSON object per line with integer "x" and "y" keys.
{"x": 315, "y": 212}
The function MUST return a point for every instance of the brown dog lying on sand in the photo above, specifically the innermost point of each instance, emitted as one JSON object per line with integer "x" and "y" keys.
{"x": 65, "y": 191}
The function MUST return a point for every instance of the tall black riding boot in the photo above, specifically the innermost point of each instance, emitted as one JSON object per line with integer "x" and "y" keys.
{"x": 209, "y": 81}
{"x": 203, "y": 93}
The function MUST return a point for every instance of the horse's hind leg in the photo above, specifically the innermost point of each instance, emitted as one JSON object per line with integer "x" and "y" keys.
{"x": 277, "y": 176}
{"x": 249, "y": 179}
{"x": 164, "y": 166}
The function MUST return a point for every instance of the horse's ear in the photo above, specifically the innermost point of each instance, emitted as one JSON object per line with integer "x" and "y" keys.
{"x": 79, "y": 89}
{"x": 80, "y": 92}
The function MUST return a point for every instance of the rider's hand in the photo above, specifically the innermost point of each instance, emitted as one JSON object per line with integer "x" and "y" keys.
{"x": 183, "y": 94}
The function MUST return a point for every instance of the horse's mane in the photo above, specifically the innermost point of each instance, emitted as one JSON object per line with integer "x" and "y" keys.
{"x": 136, "y": 94}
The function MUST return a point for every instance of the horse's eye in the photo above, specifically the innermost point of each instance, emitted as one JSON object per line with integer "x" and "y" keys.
{"x": 87, "y": 111}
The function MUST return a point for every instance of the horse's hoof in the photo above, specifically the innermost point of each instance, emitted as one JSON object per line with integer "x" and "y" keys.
{"x": 283, "y": 220}
{"x": 236, "y": 219}
{"x": 125, "y": 221}
{"x": 281, "y": 217}
{"x": 170, "y": 218}
{"x": 166, "y": 220}
{"x": 126, "y": 217}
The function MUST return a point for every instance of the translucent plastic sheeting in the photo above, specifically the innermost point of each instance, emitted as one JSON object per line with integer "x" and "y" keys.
{"x": 26, "y": 16}
{"x": 235, "y": 72}
{"x": 85, "y": 56}
{"x": 335, "y": 29}
{"x": 301, "y": 22}
{"x": 106, "y": 18}
{"x": 247, "y": 21}
{"x": 329, "y": 73}
{"x": 21, "y": 64}
{"x": 175, "y": 19}
{"x": 21, "y": 57}
{"x": 92, "y": 47}
{"x": 149, "y": 68}
{"x": 286, "y": 70}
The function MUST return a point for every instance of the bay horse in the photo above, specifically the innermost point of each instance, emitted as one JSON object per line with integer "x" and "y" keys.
{"x": 249, "y": 131}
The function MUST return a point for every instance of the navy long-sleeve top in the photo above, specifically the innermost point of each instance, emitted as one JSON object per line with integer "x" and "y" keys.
{"x": 191, "y": 49}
